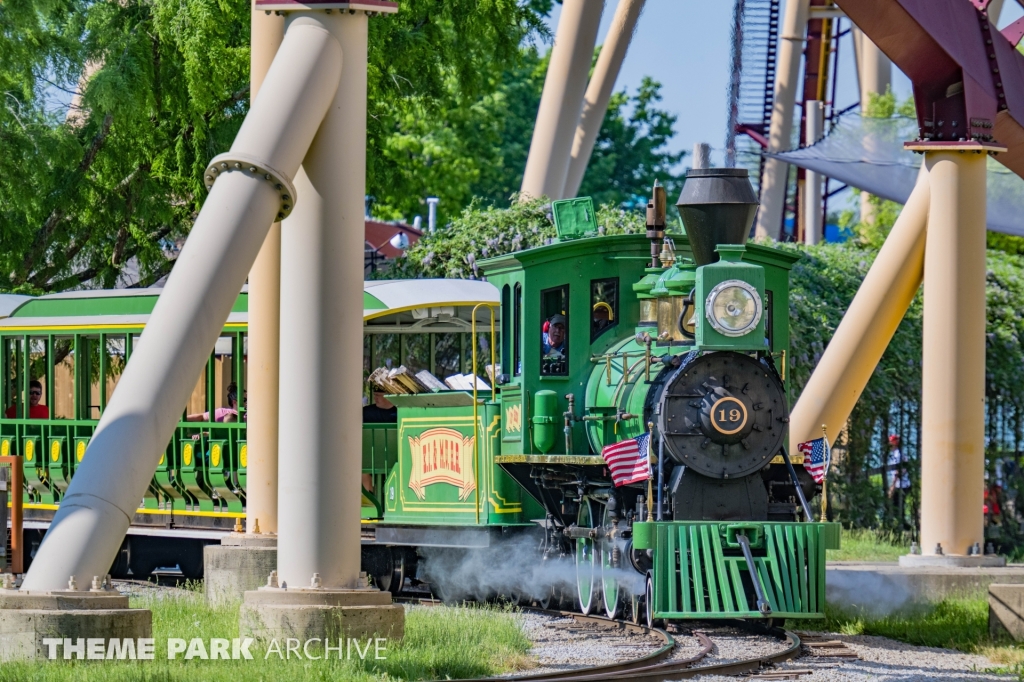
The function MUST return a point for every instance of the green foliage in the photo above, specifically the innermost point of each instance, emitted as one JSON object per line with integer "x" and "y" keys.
{"x": 885, "y": 212}
{"x": 823, "y": 284}
{"x": 953, "y": 623}
{"x": 864, "y": 544}
{"x": 630, "y": 151}
{"x": 886, "y": 106}
{"x": 477, "y": 146}
{"x": 440, "y": 643}
{"x": 1007, "y": 243}
{"x": 165, "y": 89}
{"x": 485, "y": 232}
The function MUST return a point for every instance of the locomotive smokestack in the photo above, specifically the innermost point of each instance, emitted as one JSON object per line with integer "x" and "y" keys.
{"x": 717, "y": 206}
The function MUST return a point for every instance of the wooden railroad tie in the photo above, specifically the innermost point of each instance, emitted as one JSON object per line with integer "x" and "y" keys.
{"x": 782, "y": 674}
{"x": 827, "y": 648}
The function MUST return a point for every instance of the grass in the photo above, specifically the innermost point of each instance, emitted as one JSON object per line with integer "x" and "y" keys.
{"x": 870, "y": 545}
{"x": 955, "y": 623}
{"x": 440, "y": 642}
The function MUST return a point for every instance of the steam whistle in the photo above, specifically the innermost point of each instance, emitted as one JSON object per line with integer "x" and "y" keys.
{"x": 656, "y": 210}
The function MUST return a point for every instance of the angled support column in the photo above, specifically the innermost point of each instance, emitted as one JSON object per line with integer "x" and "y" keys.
{"x": 787, "y": 77}
{"x": 599, "y": 91}
{"x": 251, "y": 186}
{"x": 562, "y": 99}
{"x": 865, "y": 331}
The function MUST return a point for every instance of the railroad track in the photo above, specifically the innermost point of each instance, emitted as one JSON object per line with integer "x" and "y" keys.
{"x": 652, "y": 667}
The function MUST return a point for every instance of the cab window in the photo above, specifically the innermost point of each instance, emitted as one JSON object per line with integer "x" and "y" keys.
{"x": 554, "y": 332}
{"x": 604, "y": 306}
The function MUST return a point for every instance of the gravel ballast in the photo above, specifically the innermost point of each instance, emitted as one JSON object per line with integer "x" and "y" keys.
{"x": 886, "y": 660}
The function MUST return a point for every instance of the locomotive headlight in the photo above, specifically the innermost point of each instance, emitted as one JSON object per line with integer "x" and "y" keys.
{"x": 733, "y": 308}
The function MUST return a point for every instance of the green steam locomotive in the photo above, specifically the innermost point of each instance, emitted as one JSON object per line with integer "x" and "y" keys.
{"x": 627, "y": 350}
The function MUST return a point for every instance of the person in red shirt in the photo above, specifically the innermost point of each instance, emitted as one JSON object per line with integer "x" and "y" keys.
{"x": 35, "y": 410}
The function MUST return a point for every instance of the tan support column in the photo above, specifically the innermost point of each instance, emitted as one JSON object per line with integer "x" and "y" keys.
{"x": 599, "y": 91}
{"x": 317, "y": 591}
{"x": 264, "y": 324}
{"x": 953, "y": 386}
{"x": 868, "y": 326}
{"x": 812, "y": 206}
{"x": 322, "y": 313}
{"x": 874, "y": 76}
{"x": 562, "y": 100}
{"x": 787, "y": 80}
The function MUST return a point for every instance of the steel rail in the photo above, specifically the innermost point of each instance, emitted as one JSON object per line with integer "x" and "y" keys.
{"x": 653, "y": 667}
{"x": 612, "y": 671}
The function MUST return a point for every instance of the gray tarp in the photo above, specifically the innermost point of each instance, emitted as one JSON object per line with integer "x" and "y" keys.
{"x": 867, "y": 153}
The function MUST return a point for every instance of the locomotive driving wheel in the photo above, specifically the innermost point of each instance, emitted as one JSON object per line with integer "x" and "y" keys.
{"x": 588, "y": 586}
{"x": 611, "y": 572}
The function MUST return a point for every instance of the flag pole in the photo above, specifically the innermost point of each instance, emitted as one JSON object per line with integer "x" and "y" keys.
{"x": 824, "y": 476}
{"x": 650, "y": 479}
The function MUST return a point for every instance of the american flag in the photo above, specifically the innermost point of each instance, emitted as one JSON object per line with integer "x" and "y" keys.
{"x": 628, "y": 460}
{"x": 815, "y": 458}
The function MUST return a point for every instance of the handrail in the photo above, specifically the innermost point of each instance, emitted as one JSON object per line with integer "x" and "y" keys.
{"x": 476, "y": 379}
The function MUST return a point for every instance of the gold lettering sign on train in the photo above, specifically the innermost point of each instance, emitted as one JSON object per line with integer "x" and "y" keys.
{"x": 441, "y": 456}
{"x": 514, "y": 418}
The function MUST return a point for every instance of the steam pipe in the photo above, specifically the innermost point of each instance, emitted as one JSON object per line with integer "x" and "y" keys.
{"x": 252, "y": 186}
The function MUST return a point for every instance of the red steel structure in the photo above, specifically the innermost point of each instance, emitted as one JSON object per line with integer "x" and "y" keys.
{"x": 968, "y": 77}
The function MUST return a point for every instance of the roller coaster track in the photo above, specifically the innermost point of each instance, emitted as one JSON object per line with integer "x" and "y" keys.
{"x": 654, "y": 667}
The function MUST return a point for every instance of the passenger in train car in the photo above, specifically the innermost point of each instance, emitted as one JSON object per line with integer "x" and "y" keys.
{"x": 380, "y": 411}
{"x": 554, "y": 337}
{"x": 221, "y": 414}
{"x": 35, "y": 410}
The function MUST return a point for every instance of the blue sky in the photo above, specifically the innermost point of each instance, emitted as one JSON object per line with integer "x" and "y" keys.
{"x": 684, "y": 44}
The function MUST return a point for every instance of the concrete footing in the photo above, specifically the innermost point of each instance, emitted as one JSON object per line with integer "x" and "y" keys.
{"x": 240, "y": 563}
{"x": 878, "y": 589}
{"x": 952, "y": 561}
{"x": 1006, "y": 610}
{"x": 27, "y": 618}
{"x": 304, "y": 614}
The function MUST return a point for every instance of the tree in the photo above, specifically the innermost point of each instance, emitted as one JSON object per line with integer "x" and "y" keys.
{"x": 478, "y": 147}
{"x": 79, "y": 198}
